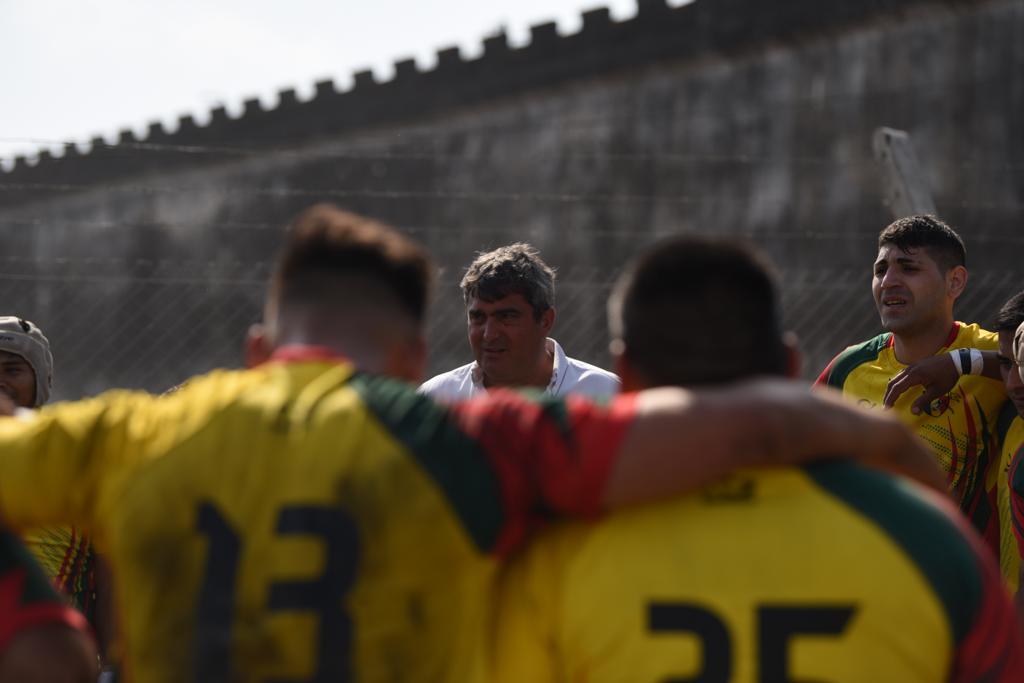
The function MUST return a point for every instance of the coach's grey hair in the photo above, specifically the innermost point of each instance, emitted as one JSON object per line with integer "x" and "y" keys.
{"x": 513, "y": 269}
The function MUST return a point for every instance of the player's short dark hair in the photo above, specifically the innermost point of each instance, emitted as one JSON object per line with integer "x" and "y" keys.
{"x": 699, "y": 310}
{"x": 325, "y": 244}
{"x": 926, "y": 232}
{"x": 1011, "y": 314}
{"x": 513, "y": 269}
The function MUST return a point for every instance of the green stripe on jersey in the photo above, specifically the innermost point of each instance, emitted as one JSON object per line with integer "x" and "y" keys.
{"x": 855, "y": 356}
{"x": 454, "y": 461}
{"x": 924, "y": 532}
{"x": 558, "y": 412}
{"x": 553, "y": 408}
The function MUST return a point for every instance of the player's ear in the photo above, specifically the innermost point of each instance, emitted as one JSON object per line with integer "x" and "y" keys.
{"x": 547, "y": 320}
{"x": 418, "y": 359}
{"x": 621, "y": 366}
{"x": 794, "y": 359}
{"x": 408, "y": 360}
{"x": 956, "y": 281}
{"x": 258, "y": 348}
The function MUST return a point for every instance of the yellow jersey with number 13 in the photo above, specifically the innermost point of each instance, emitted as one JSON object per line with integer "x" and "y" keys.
{"x": 301, "y": 521}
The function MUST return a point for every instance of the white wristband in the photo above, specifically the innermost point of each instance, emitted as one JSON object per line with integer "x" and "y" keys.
{"x": 977, "y": 362}
{"x": 968, "y": 361}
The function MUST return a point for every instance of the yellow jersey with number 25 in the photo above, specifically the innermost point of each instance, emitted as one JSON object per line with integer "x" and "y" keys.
{"x": 831, "y": 572}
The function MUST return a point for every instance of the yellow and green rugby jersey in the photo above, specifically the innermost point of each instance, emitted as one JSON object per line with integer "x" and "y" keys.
{"x": 302, "y": 522}
{"x": 27, "y": 599}
{"x": 959, "y": 427}
{"x": 828, "y": 573}
{"x": 1011, "y": 445}
{"x": 68, "y": 559}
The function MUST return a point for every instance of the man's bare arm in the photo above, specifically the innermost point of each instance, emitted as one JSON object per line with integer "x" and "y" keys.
{"x": 681, "y": 440}
{"x": 936, "y": 376}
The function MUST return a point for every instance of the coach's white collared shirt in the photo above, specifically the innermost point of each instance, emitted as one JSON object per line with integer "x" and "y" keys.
{"x": 568, "y": 376}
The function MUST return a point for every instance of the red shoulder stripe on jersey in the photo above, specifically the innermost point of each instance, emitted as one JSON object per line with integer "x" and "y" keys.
{"x": 552, "y": 457}
{"x": 823, "y": 377}
{"x": 77, "y": 582}
{"x": 950, "y": 338}
{"x": 68, "y": 554}
{"x": 15, "y": 617}
{"x": 952, "y": 334}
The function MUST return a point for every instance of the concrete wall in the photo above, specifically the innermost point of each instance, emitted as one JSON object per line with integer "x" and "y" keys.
{"x": 144, "y": 261}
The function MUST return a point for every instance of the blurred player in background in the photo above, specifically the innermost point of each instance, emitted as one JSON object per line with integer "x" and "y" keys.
{"x": 26, "y": 376}
{"x": 1010, "y": 435}
{"x": 510, "y": 311}
{"x": 919, "y": 274}
{"x": 42, "y": 639}
{"x": 25, "y": 361}
{"x": 306, "y": 520}
{"x": 828, "y": 572}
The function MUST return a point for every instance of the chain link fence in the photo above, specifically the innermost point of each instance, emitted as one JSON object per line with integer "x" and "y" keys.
{"x": 145, "y": 261}
{"x": 154, "y": 331}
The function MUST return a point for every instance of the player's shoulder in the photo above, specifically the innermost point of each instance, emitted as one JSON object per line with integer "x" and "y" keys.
{"x": 425, "y": 421}
{"x": 202, "y": 394}
{"x": 392, "y": 400}
{"x": 976, "y": 337}
{"x": 887, "y": 499}
{"x": 220, "y": 381}
{"x": 854, "y": 356}
{"x": 115, "y": 405}
{"x": 432, "y": 431}
{"x": 437, "y": 438}
{"x": 925, "y": 527}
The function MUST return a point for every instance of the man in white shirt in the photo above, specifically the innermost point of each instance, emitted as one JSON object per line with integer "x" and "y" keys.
{"x": 510, "y": 297}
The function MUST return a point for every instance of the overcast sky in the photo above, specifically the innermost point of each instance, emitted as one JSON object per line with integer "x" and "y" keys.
{"x": 73, "y": 69}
